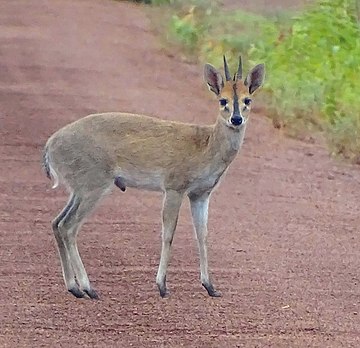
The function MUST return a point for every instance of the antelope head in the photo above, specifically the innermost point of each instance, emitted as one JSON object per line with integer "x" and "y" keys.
{"x": 234, "y": 94}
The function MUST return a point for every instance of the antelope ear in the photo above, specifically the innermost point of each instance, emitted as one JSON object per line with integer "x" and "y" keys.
{"x": 213, "y": 79}
{"x": 255, "y": 78}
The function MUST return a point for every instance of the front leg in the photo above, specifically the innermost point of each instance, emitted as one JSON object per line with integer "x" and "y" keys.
{"x": 170, "y": 213}
{"x": 199, "y": 211}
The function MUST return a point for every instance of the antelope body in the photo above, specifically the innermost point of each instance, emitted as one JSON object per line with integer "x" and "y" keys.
{"x": 98, "y": 152}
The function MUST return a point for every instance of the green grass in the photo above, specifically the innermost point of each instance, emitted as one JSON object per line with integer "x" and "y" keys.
{"x": 312, "y": 61}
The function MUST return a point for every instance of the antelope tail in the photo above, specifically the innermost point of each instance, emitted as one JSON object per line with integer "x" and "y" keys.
{"x": 49, "y": 170}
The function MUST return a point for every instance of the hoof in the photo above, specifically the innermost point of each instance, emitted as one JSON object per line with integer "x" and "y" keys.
{"x": 164, "y": 292}
{"x": 214, "y": 294}
{"x": 76, "y": 292}
{"x": 211, "y": 290}
{"x": 92, "y": 294}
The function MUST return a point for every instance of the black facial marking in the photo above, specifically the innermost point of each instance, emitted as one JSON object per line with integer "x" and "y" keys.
{"x": 236, "y": 102}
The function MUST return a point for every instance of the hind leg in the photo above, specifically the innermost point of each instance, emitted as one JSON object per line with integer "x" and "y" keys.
{"x": 67, "y": 270}
{"x": 70, "y": 225}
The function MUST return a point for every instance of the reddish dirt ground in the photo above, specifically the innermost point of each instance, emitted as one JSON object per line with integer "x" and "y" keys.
{"x": 284, "y": 239}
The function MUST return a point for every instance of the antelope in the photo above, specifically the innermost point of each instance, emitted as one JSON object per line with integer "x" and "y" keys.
{"x": 100, "y": 151}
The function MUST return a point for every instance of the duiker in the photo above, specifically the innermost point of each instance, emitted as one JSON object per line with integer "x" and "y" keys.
{"x": 101, "y": 151}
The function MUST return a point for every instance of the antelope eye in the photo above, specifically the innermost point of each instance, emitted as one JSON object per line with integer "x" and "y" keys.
{"x": 223, "y": 102}
{"x": 247, "y": 101}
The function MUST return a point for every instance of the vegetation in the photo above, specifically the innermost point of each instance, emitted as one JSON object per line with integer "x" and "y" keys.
{"x": 312, "y": 60}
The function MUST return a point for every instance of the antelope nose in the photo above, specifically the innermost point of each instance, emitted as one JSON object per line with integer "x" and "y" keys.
{"x": 236, "y": 120}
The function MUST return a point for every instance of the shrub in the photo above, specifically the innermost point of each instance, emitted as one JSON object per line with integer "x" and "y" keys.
{"x": 312, "y": 60}
{"x": 314, "y": 72}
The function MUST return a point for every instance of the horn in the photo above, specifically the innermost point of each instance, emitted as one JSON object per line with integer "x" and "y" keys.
{"x": 238, "y": 75}
{"x": 227, "y": 72}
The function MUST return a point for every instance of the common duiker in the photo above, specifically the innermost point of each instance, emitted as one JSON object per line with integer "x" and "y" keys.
{"x": 98, "y": 152}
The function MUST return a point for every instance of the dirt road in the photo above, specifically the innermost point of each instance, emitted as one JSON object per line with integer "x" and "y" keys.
{"x": 284, "y": 225}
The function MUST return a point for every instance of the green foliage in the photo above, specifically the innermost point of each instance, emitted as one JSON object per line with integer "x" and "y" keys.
{"x": 186, "y": 30}
{"x": 154, "y": 2}
{"x": 314, "y": 71}
{"x": 160, "y": 2}
{"x": 208, "y": 32}
{"x": 235, "y": 33}
{"x": 190, "y": 25}
{"x": 312, "y": 61}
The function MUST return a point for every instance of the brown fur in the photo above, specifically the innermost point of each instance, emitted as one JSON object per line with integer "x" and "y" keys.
{"x": 146, "y": 153}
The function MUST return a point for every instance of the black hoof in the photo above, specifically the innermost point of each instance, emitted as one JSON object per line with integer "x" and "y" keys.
{"x": 211, "y": 290}
{"x": 163, "y": 291}
{"x": 92, "y": 294}
{"x": 76, "y": 292}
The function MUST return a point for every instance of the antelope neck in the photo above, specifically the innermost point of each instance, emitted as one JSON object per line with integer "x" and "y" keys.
{"x": 225, "y": 140}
